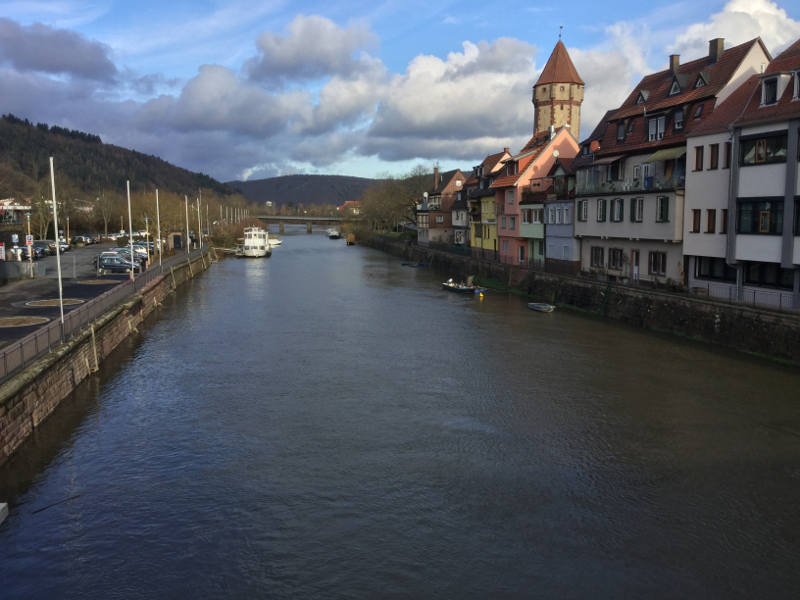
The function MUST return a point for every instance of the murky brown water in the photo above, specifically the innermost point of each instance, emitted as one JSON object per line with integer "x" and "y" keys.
{"x": 329, "y": 424}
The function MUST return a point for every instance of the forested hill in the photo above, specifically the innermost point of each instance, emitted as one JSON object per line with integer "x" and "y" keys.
{"x": 303, "y": 189}
{"x": 85, "y": 166}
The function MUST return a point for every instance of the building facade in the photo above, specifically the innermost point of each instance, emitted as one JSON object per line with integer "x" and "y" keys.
{"x": 630, "y": 174}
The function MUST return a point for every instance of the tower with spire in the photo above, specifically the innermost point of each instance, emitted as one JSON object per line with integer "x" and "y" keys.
{"x": 558, "y": 94}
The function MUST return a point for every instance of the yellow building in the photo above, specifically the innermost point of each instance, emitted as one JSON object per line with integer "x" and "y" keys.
{"x": 482, "y": 209}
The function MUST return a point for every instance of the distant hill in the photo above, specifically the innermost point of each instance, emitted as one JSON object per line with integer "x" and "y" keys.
{"x": 88, "y": 165}
{"x": 303, "y": 189}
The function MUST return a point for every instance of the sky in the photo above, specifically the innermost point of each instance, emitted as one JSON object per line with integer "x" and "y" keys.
{"x": 247, "y": 89}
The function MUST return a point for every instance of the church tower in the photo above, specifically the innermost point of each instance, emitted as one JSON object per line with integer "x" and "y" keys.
{"x": 558, "y": 94}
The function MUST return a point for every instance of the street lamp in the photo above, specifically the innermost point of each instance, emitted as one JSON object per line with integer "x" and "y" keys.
{"x": 30, "y": 245}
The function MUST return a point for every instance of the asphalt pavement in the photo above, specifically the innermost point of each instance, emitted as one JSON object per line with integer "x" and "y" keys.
{"x": 22, "y": 300}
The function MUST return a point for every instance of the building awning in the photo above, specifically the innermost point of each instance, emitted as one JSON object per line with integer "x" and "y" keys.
{"x": 667, "y": 154}
{"x": 607, "y": 160}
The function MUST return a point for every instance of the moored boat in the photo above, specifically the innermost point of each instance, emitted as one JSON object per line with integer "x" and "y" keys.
{"x": 461, "y": 287}
{"x": 541, "y": 306}
{"x": 255, "y": 243}
{"x": 334, "y": 234}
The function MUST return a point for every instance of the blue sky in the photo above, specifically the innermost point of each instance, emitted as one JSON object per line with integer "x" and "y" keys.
{"x": 242, "y": 89}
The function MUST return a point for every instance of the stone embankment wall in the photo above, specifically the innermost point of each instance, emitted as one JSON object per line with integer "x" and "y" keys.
{"x": 32, "y": 395}
{"x": 736, "y": 326}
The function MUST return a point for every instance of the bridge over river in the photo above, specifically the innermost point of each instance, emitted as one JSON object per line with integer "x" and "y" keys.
{"x": 306, "y": 220}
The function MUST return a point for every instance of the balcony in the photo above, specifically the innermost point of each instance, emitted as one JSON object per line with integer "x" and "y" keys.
{"x": 645, "y": 184}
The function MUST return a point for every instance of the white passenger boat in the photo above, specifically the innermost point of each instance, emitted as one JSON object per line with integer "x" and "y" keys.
{"x": 255, "y": 243}
{"x": 334, "y": 233}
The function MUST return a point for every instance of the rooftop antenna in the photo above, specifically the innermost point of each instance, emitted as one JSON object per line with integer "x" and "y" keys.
{"x": 560, "y": 27}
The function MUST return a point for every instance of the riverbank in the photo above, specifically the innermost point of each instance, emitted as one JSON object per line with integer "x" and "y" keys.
{"x": 739, "y": 327}
{"x": 32, "y": 395}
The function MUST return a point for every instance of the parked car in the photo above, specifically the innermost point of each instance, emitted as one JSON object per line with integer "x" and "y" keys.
{"x": 44, "y": 247}
{"x": 115, "y": 264}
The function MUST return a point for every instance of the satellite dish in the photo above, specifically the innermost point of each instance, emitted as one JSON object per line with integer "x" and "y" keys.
{"x": 555, "y": 153}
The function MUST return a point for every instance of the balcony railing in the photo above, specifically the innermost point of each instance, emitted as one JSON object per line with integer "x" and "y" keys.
{"x": 645, "y": 184}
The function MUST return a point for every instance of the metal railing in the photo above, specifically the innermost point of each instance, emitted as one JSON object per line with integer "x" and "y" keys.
{"x": 774, "y": 299}
{"x": 19, "y": 354}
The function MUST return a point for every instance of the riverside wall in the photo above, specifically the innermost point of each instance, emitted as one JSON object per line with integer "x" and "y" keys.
{"x": 739, "y": 327}
{"x": 31, "y": 396}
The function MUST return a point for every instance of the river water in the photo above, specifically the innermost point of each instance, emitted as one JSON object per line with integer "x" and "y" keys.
{"x": 327, "y": 423}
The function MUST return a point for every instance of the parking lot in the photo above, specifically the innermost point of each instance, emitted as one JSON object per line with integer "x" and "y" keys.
{"x": 28, "y": 303}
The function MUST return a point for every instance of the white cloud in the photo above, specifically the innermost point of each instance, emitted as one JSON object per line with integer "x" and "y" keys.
{"x": 738, "y": 22}
{"x": 313, "y": 47}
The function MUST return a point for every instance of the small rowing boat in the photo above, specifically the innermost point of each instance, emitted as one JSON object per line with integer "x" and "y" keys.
{"x": 541, "y": 306}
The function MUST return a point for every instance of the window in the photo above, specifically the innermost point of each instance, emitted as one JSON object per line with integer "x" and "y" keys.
{"x": 538, "y": 215}
{"x": 513, "y": 223}
{"x": 768, "y": 274}
{"x": 656, "y": 128}
{"x": 700, "y": 82}
{"x": 675, "y": 89}
{"x": 713, "y": 158}
{"x": 695, "y": 220}
{"x": 615, "y": 258}
{"x": 583, "y": 210}
{"x": 617, "y": 209}
{"x": 637, "y": 209}
{"x": 551, "y": 215}
{"x": 796, "y": 78}
{"x": 629, "y": 127}
{"x": 440, "y": 219}
{"x": 509, "y": 196}
{"x": 557, "y": 212}
{"x": 503, "y": 221}
{"x": 706, "y": 267}
{"x": 521, "y": 254}
{"x": 677, "y": 120}
{"x": 647, "y": 169}
{"x": 698, "y": 111}
{"x": 601, "y": 210}
{"x": 723, "y": 226}
{"x": 797, "y": 217}
{"x": 769, "y": 91}
{"x": 759, "y": 217}
{"x": 566, "y": 219}
{"x": 621, "y": 132}
{"x": 662, "y": 209}
{"x": 727, "y": 163}
{"x": 711, "y": 220}
{"x": 765, "y": 149}
{"x": 598, "y": 257}
{"x": 505, "y": 246}
{"x": 698, "y": 158}
{"x": 657, "y": 263}
{"x": 636, "y": 171}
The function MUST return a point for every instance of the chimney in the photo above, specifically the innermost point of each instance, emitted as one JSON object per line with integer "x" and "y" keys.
{"x": 507, "y": 150}
{"x": 435, "y": 178}
{"x": 674, "y": 62}
{"x": 715, "y": 49}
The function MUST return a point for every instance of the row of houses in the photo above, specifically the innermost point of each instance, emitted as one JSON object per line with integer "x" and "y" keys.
{"x": 692, "y": 181}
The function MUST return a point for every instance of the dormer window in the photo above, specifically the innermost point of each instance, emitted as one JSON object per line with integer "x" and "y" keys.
{"x": 769, "y": 91}
{"x": 796, "y": 78}
{"x": 642, "y": 97}
{"x": 656, "y": 131}
{"x": 700, "y": 82}
{"x": 677, "y": 120}
{"x": 621, "y": 132}
{"x": 698, "y": 111}
{"x": 675, "y": 89}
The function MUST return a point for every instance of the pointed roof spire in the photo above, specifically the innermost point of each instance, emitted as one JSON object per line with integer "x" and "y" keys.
{"x": 559, "y": 67}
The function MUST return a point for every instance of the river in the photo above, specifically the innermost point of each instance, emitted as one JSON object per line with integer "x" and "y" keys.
{"x": 328, "y": 423}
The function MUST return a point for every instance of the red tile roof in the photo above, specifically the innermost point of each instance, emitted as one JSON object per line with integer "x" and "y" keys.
{"x": 509, "y": 180}
{"x": 559, "y": 68}
{"x": 490, "y": 162}
{"x": 730, "y": 110}
{"x": 785, "y": 61}
{"x": 656, "y": 88}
